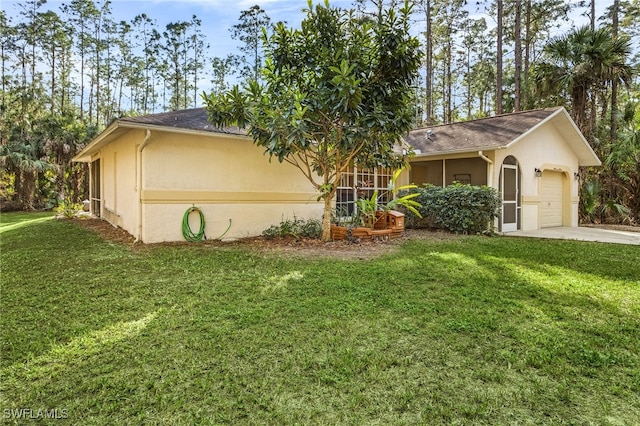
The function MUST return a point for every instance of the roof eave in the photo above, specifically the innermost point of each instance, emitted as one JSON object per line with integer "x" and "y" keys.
{"x": 86, "y": 153}
{"x": 172, "y": 129}
{"x": 592, "y": 159}
{"x": 460, "y": 151}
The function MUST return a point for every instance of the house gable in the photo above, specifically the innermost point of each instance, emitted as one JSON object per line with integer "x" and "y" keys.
{"x": 499, "y": 132}
{"x": 562, "y": 123}
{"x": 484, "y": 134}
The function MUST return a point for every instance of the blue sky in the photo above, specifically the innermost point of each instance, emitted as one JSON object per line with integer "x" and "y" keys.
{"x": 219, "y": 15}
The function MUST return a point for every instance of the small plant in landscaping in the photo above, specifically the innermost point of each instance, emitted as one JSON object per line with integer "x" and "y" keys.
{"x": 296, "y": 228}
{"x": 367, "y": 207}
{"x": 340, "y": 216}
{"x": 68, "y": 209}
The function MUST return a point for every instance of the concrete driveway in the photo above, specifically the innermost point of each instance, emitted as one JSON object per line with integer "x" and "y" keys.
{"x": 581, "y": 234}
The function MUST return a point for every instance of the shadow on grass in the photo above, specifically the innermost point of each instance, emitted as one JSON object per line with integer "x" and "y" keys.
{"x": 469, "y": 331}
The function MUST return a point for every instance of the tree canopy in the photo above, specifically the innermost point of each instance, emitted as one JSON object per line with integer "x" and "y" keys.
{"x": 335, "y": 92}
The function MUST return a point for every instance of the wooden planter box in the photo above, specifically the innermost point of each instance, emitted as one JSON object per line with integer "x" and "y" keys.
{"x": 341, "y": 232}
{"x": 388, "y": 225}
{"x": 395, "y": 222}
{"x": 362, "y": 233}
{"x": 338, "y": 232}
{"x": 392, "y": 220}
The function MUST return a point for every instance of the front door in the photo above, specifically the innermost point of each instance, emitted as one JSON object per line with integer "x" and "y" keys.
{"x": 509, "y": 190}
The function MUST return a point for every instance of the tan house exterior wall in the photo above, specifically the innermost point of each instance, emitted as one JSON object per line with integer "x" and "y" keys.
{"x": 118, "y": 181}
{"x": 227, "y": 177}
{"x": 543, "y": 149}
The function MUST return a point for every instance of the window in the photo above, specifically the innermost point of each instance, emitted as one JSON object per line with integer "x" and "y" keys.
{"x": 357, "y": 183}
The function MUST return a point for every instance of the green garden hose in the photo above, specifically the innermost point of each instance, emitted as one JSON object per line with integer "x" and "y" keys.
{"x": 187, "y": 233}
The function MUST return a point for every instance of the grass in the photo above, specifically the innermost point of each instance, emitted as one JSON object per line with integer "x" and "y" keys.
{"x": 475, "y": 330}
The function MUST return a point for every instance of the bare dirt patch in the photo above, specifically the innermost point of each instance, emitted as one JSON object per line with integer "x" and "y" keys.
{"x": 106, "y": 230}
{"x": 289, "y": 247}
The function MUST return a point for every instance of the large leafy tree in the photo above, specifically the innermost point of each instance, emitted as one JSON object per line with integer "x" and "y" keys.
{"x": 335, "y": 92}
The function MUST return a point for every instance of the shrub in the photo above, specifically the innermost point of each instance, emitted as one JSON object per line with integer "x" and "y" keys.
{"x": 458, "y": 208}
{"x": 296, "y": 228}
{"x": 68, "y": 209}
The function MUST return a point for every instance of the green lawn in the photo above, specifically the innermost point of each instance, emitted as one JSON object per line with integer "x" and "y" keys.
{"x": 473, "y": 330}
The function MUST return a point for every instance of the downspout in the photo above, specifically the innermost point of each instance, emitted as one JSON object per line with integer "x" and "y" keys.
{"x": 489, "y": 168}
{"x": 139, "y": 184}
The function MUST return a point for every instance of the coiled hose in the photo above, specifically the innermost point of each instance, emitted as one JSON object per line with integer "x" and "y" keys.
{"x": 187, "y": 233}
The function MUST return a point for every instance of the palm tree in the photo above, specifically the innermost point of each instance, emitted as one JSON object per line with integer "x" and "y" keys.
{"x": 623, "y": 162}
{"x": 577, "y": 66}
{"x": 20, "y": 160}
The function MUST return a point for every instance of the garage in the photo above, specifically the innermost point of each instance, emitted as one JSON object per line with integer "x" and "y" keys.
{"x": 532, "y": 158}
{"x": 551, "y": 199}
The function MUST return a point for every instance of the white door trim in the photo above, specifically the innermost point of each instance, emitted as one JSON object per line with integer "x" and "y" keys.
{"x": 509, "y": 226}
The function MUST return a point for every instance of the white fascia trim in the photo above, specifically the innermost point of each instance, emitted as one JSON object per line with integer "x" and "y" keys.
{"x": 168, "y": 129}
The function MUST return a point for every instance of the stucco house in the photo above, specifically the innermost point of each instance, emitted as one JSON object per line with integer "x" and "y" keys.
{"x": 531, "y": 157}
{"x": 145, "y": 172}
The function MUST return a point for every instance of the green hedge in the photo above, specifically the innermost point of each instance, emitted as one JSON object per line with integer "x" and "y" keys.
{"x": 458, "y": 208}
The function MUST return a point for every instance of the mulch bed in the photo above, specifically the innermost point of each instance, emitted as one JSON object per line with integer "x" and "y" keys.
{"x": 304, "y": 247}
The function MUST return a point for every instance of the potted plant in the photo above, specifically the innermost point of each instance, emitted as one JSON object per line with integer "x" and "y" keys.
{"x": 340, "y": 223}
{"x": 374, "y": 214}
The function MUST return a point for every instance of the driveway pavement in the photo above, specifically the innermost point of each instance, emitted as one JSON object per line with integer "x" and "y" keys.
{"x": 581, "y": 234}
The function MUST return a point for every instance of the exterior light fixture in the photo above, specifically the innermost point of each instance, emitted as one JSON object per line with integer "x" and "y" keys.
{"x": 538, "y": 172}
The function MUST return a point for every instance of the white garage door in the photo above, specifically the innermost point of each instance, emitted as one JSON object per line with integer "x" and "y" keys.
{"x": 551, "y": 199}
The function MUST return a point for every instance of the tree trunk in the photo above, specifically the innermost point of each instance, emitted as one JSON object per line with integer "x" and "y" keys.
{"x": 517, "y": 58}
{"x": 326, "y": 218}
{"x": 81, "y": 73}
{"x": 449, "y": 85}
{"x": 28, "y": 189}
{"x": 499, "y": 59}
{"x": 614, "y": 82}
{"x": 527, "y": 55}
{"x": 428, "y": 66}
{"x": 53, "y": 72}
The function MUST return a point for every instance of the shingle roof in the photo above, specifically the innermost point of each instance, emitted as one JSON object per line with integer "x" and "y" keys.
{"x": 189, "y": 119}
{"x": 485, "y": 133}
